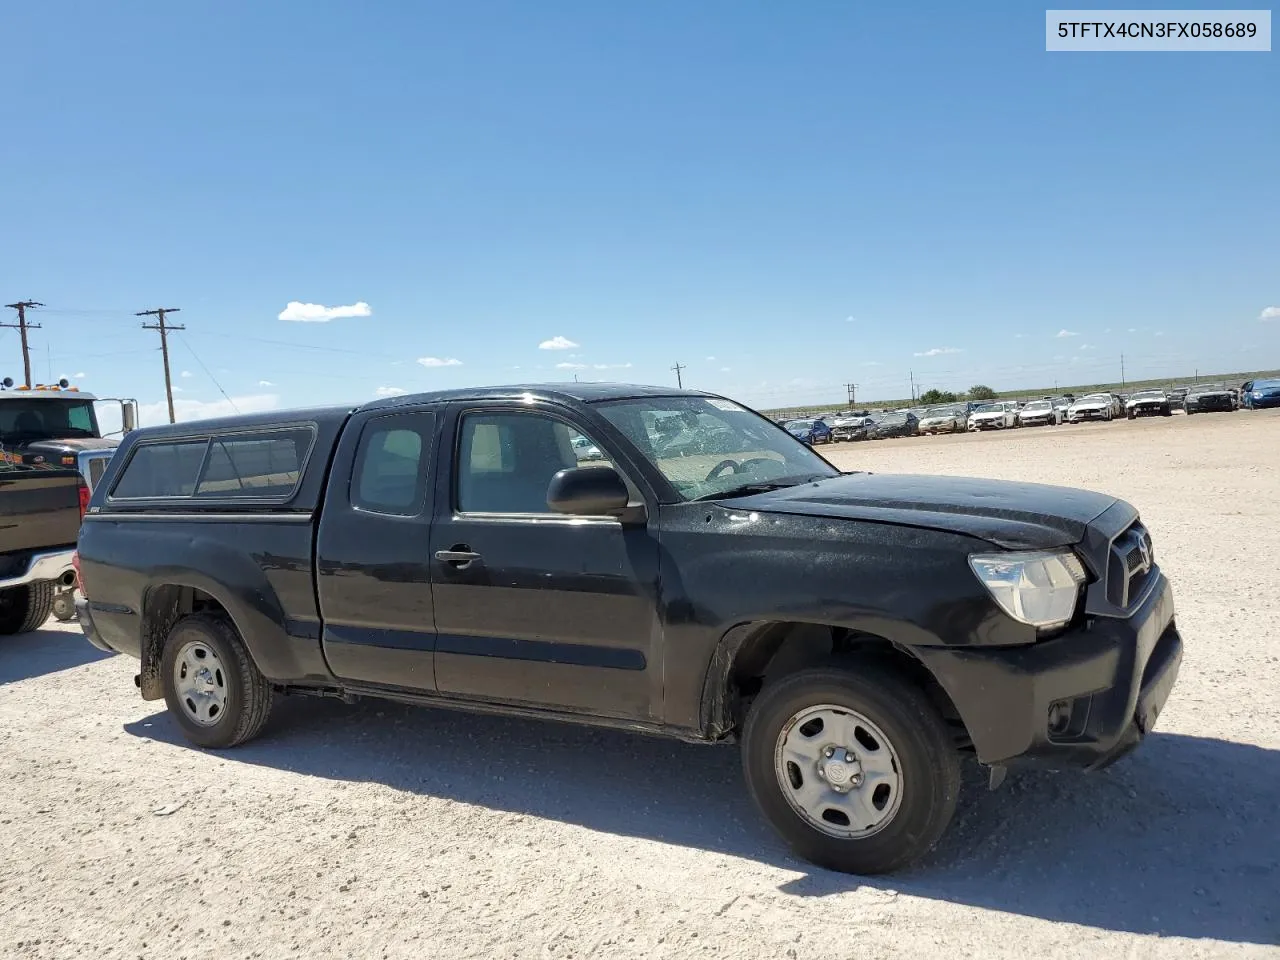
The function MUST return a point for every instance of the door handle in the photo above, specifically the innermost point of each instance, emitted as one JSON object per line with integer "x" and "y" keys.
{"x": 459, "y": 556}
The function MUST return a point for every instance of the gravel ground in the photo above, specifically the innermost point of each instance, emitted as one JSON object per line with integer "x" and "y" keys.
{"x": 379, "y": 831}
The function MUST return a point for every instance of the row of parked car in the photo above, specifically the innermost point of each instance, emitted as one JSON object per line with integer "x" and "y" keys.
{"x": 1046, "y": 411}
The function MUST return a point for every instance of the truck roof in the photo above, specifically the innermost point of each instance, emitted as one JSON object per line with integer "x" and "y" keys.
{"x": 42, "y": 392}
{"x": 574, "y": 392}
{"x": 580, "y": 392}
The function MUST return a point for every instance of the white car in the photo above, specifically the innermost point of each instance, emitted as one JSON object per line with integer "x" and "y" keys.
{"x": 994, "y": 416}
{"x": 1095, "y": 406}
{"x": 1039, "y": 413}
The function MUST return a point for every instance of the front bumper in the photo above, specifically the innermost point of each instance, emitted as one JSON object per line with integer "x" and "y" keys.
{"x": 995, "y": 424}
{"x": 1076, "y": 415}
{"x": 1262, "y": 403}
{"x": 1041, "y": 421}
{"x": 1210, "y": 405}
{"x": 1148, "y": 410}
{"x": 1082, "y": 699}
{"x": 54, "y": 565}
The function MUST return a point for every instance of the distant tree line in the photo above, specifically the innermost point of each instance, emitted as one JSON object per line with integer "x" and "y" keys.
{"x": 931, "y": 398}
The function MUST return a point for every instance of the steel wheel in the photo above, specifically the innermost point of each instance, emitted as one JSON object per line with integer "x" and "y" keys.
{"x": 200, "y": 683}
{"x": 838, "y": 771}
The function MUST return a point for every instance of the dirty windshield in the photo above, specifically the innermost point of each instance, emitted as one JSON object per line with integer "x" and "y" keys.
{"x": 706, "y": 446}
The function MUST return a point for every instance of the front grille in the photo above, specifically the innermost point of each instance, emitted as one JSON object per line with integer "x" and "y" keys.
{"x": 1131, "y": 565}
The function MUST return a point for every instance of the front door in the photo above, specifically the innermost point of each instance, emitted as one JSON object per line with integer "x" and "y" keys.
{"x": 534, "y": 607}
{"x": 373, "y": 570}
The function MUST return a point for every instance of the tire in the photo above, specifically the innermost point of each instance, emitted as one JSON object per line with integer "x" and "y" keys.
{"x": 64, "y": 606}
{"x": 926, "y": 766}
{"x": 236, "y": 688}
{"x": 25, "y": 608}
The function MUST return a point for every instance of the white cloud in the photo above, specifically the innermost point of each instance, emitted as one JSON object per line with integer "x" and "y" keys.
{"x": 80, "y": 376}
{"x": 571, "y": 366}
{"x": 872, "y": 363}
{"x": 1019, "y": 336}
{"x": 1086, "y": 346}
{"x": 1108, "y": 330}
{"x": 611, "y": 366}
{"x": 848, "y": 320}
{"x": 390, "y": 392}
{"x": 265, "y": 383}
{"x": 1159, "y": 333}
{"x": 710, "y": 359}
{"x": 439, "y": 362}
{"x": 1133, "y": 329}
{"x": 724, "y": 369}
{"x": 1066, "y": 333}
{"x": 177, "y": 389}
{"x": 319, "y": 313}
{"x": 557, "y": 343}
{"x": 938, "y": 351}
{"x": 1270, "y": 313}
{"x": 185, "y": 374}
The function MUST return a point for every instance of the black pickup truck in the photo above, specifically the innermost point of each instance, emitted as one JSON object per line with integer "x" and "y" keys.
{"x": 40, "y": 511}
{"x": 660, "y": 561}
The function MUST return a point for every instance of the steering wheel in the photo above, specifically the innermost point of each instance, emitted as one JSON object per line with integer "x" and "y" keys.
{"x": 722, "y": 466}
{"x": 751, "y": 465}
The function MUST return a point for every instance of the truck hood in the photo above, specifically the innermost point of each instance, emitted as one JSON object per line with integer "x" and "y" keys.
{"x": 1017, "y": 516}
{"x": 67, "y": 445}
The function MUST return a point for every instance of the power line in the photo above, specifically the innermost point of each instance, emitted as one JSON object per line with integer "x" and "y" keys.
{"x": 159, "y": 313}
{"x": 853, "y": 393}
{"x": 22, "y": 306}
{"x": 679, "y": 379}
{"x": 193, "y": 353}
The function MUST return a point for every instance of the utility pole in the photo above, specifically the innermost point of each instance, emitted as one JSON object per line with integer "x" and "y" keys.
{"x": 1122, "y": 370}
{"x": 912, "y": 375}
{"x": 22, "y": 327}
{"x": 679, "y": 379}
{"x": 164, "y": 329}
{"x": 853, "y": 394}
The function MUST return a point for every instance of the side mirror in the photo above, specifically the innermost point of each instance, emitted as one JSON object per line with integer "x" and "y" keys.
{"x": 129, "y": 416}
{"x": 588, "y": 491}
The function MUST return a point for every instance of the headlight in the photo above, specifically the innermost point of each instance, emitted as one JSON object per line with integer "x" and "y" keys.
{"x": 1038, "y": 587}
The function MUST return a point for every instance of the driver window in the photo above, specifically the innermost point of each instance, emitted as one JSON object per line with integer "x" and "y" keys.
{"x": 506, "y": 460}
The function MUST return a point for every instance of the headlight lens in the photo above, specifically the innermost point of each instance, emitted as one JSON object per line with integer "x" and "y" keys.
{"x": 1038, "y": 587}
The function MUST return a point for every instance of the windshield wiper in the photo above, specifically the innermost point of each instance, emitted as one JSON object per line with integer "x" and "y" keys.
{"x": 759, "y": 486}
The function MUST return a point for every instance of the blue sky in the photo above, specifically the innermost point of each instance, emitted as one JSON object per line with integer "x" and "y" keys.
{"x": 783, "y": 197}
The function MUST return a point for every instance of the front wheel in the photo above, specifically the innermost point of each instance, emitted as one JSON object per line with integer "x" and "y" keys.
{"x": 211, "y": 685}
{"x": 852, "y": 766}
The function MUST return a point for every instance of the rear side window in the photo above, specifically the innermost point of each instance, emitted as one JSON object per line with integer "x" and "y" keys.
{"x": 161, "y": 470}
{"x": 390, "y": 474}
{"x": 262, "y": 465}
{"x": 255, "y": 465}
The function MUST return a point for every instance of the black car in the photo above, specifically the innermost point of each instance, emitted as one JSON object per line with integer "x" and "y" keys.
{"x": 1207, "y": 397}
{"x": 858, "y": 635}
{"x": 1148, "y": 403}
{"x": 899, "y": 424}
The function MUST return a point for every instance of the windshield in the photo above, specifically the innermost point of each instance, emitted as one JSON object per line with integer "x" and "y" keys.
{"x": 800, "y": 425}
{"x": 989, "y": 408}
{"x": 1038, "y": 405}
{"x": 44, "y": 419}
{"x": 1260, "y": 385}
{"x": 1096, "y": 398}
{"x": 1148, "y": 395}
{"x": 941, "y": 412}
{"x": 1208, "y": 388}
{"x": 706, "y": 446}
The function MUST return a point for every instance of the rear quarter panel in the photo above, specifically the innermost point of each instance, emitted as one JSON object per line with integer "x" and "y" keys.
{"x": 258, "y": 568}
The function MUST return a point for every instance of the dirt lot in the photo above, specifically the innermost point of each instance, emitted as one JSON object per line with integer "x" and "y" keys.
{"x": 380, "y": 831}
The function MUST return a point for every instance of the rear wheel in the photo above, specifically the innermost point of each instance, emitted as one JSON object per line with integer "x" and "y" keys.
{"x": 23, "y": 609}
{"x": 852, "y": 766}
{"x": 212, "y": 687}
{"x": 64, "y": 606}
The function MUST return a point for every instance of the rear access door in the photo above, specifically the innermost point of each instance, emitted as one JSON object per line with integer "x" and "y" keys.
{"x": 373, "y": 568}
